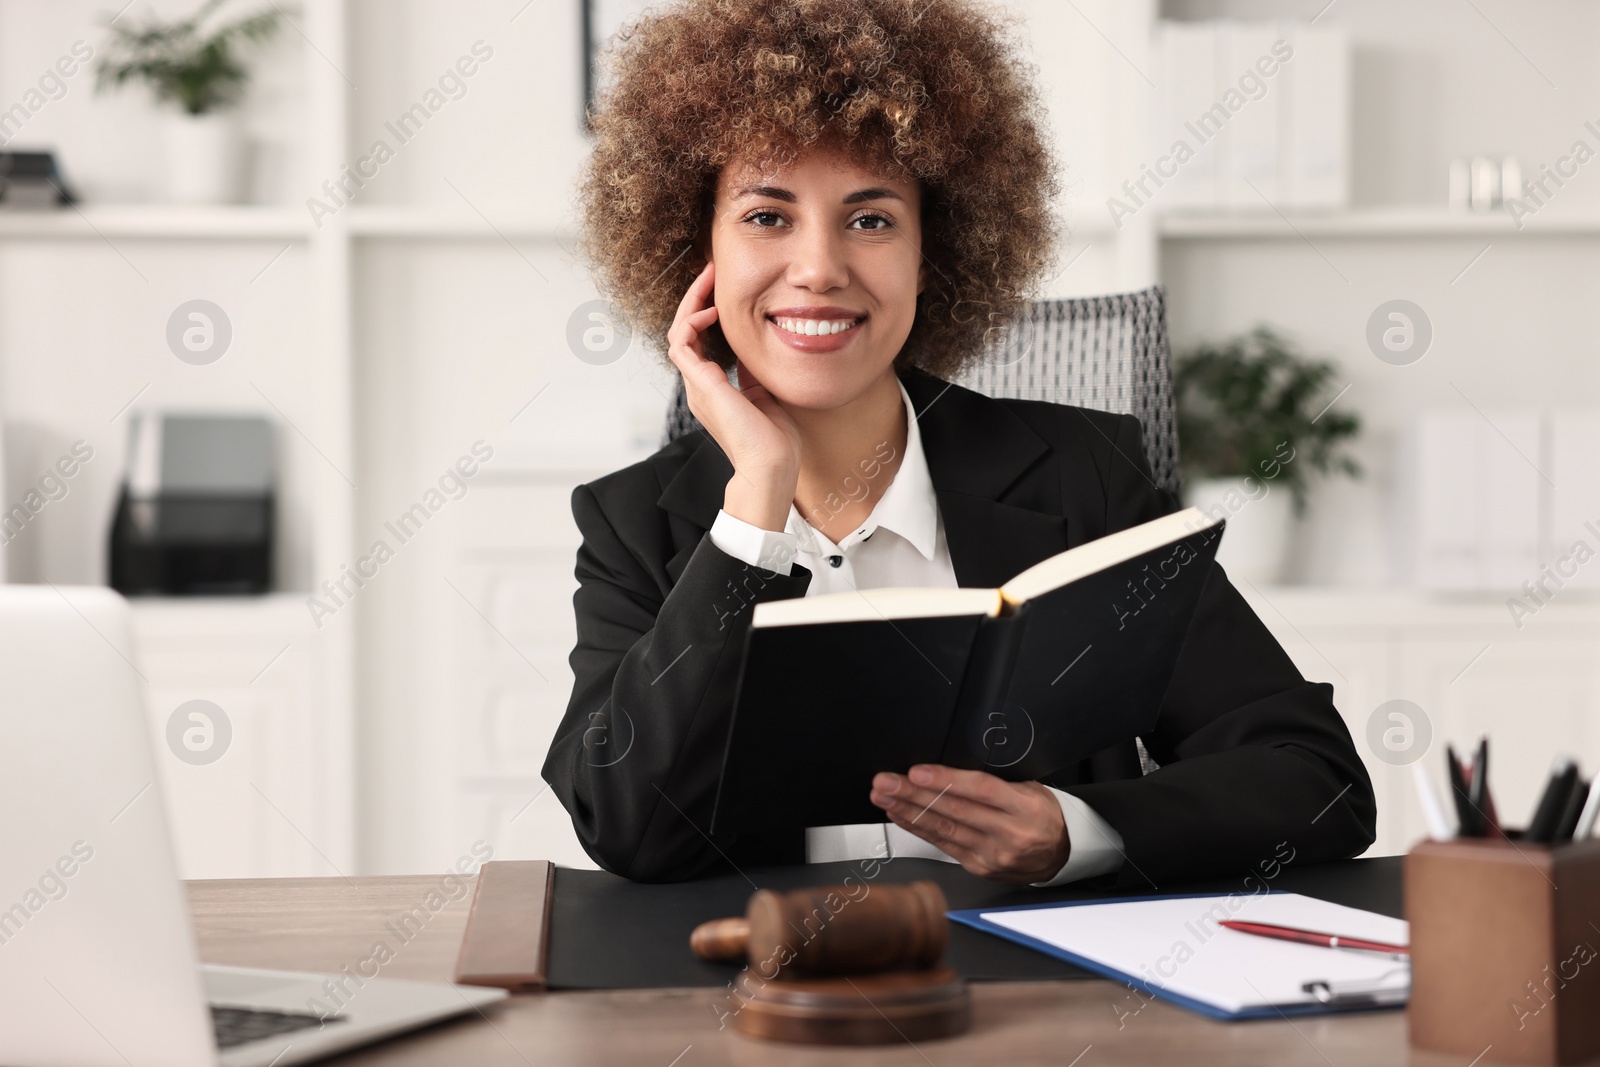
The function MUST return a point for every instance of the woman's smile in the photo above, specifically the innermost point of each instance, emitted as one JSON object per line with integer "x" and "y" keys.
{"x": 816, "y": 333}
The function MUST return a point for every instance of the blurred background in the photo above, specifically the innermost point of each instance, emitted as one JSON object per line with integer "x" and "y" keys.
{"x": 295, "y": 350}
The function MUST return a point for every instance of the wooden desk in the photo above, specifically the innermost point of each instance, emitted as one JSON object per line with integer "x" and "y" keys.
{"x": 325, "y": 924}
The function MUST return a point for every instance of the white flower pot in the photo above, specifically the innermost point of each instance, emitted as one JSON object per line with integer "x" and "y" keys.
{"x": 203, "y": 158}
{"x": 1260, "y": 514}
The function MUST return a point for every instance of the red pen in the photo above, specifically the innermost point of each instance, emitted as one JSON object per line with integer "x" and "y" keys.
{"x": 1311, "y": 937}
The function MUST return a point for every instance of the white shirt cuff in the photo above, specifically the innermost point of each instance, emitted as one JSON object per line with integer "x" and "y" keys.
{"x": 768, "y": 549}
{"x": 854, "y": 841}
{"x": 1096, "y": 846}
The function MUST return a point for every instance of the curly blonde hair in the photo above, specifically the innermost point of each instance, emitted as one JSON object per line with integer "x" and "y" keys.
{"x": 925, "y": 89}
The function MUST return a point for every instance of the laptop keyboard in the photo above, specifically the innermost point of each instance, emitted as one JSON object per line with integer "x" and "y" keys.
{"x": 237, "y": 1026}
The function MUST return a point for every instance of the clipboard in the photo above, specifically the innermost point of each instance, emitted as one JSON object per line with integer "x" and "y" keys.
{"x": 1331, "y": 980}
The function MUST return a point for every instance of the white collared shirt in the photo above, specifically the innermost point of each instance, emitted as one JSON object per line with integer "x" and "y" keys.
{"x": 902, "y": 543}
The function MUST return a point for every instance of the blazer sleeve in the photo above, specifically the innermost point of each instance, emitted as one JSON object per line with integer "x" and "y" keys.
{"x": 1251, "y": 754}
{"x": 638, "y": 753}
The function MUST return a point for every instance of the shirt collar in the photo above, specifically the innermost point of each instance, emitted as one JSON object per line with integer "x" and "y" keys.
{"x": 908, "y": 506}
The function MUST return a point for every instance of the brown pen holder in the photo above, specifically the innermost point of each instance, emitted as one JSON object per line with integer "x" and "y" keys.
{"x": 1505, "y": 949}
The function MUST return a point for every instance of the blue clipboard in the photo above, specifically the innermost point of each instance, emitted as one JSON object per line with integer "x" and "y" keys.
{"x": 974, "y": 917}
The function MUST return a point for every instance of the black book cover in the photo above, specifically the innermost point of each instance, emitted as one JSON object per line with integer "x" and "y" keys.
{"x": 822, "y": 707}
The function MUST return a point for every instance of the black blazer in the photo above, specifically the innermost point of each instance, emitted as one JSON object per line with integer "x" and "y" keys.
{"x": 1252, "y": 755}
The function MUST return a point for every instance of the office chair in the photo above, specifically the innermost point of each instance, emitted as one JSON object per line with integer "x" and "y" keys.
{"x": 1104, "y": 352}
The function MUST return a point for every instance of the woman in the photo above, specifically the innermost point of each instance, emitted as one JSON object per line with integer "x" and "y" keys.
{"x": 844, "y": 199}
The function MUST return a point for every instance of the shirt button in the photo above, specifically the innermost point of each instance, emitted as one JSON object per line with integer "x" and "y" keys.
{"x": 834, "y": 561}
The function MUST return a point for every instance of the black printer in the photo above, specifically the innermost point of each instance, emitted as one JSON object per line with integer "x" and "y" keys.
{"x": 195, "y": 514}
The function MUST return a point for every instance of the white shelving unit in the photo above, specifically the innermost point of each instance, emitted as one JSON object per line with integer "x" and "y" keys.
{"x": 298, "y": 795}
{"x": 86, "y": 292}
{"x": 271, "y": 804}
{"x": 432, "y": 312}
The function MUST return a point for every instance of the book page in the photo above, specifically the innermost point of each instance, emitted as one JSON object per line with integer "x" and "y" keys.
{"x": 873, "y": 605}
{"x": 1066, "y": 567}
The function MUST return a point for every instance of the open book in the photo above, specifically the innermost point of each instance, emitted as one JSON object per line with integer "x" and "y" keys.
{"x": 1067, "y": 658}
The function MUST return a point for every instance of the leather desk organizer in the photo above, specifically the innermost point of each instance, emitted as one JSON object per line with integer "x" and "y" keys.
{"x": 1505, "y": 948}
{"x": 507, "y": 939}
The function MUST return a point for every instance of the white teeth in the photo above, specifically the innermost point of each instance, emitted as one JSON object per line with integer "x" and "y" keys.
{"x": 816, "y": 327}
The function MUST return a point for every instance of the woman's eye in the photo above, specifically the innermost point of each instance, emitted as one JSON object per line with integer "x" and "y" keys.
{"x": 755, "y": 217}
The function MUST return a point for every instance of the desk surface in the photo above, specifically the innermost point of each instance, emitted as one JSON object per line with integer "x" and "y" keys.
{"x": 324, "y": 924}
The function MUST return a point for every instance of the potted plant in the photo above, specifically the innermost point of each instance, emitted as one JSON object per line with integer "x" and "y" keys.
{"x": 1255, "y": 420}
{"x": 195, "y": 68}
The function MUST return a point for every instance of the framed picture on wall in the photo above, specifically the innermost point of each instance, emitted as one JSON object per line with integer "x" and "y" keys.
{"x": 601, "y": 20}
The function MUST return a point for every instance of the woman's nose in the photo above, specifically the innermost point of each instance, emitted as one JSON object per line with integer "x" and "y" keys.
{"x": 818, "y": 260}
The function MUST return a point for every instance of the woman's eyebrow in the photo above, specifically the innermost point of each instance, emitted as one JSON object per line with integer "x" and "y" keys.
{"x": 772, "y": 192}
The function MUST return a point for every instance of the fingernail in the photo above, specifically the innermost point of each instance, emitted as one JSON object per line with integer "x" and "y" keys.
{"x": 888, "y": 783}
{"x": 922, "y": 775}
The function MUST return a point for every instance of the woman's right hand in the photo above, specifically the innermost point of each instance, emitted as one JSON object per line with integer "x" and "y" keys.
{"x": 755, "y": 432}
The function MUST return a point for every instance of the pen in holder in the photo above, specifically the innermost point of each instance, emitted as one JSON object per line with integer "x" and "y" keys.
{"x": 1505, "y": 948}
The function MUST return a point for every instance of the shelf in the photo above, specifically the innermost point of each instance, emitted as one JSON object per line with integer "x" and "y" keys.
{"x": 288, "y": 223}
{"x": 1418, "y": 221}
{"x": 451, "y": 224}
{"x": 1085, "y": 221}
{"x": 1364, "y": 608}
{"x": 262, "y": 606}
{"x": 515, "y": 465}
{"x": 159, "y": 221}
{"x": 177, "y": 221}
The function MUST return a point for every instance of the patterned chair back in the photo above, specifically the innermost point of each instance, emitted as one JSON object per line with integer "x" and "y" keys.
{"x": 1104, "y": 352}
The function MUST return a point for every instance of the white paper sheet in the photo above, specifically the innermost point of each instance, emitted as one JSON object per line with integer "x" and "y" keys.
{"x": 1175, "y": 945}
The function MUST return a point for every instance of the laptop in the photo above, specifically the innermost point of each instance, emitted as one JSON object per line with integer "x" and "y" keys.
{"x": 97, "y": 957}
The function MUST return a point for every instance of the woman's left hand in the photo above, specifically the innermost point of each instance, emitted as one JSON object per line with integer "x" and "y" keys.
{"x": 1008, "y": 831}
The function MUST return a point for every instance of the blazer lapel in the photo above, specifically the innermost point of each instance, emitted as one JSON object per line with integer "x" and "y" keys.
{"x": 976, "y": 450}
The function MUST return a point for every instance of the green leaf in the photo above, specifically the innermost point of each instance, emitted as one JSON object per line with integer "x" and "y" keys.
{"x": 198, "y": 72}
{"x": 1253, "y": 406}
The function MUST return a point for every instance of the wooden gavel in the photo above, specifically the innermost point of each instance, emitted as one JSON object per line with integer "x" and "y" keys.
{"x": 832, "y": 930}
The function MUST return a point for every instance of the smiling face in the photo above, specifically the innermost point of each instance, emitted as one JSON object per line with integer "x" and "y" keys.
{"x": 819, "y": 264}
